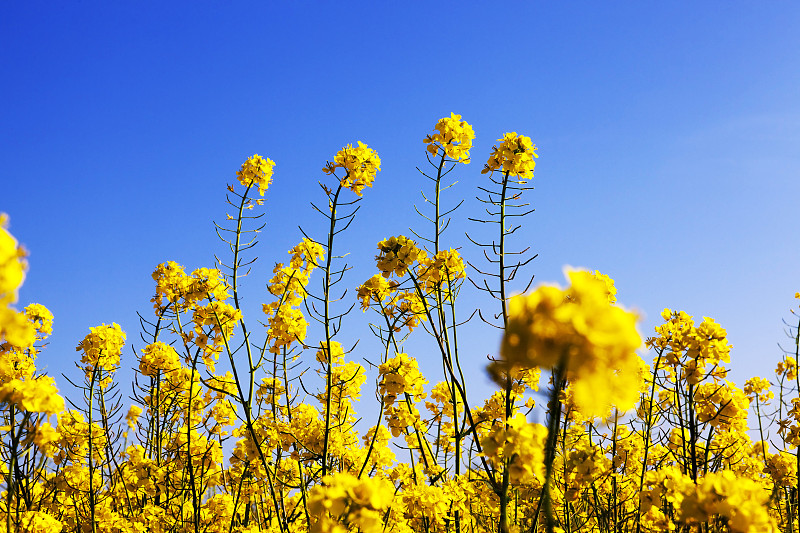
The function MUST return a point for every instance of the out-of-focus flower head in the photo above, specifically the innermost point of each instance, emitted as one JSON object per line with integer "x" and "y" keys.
{"x": 34, "y": 395}
{"x": 577, "y": 327}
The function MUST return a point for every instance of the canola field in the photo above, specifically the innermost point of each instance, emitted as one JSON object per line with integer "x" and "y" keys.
{"x": 244, "y": 428}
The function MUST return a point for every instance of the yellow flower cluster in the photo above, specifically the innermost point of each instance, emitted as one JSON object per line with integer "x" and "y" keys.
{"x": 12, "y": 263}
{"x": 722, "y": 405}
{"x": 39, "y": 522}
{"x": 522, "y": 445}
{"x": 696, "y": 352}
{"x": 35, "y": 395}
{"x": 758, "y": 387}
{"x": 454, "y": 137}
{"x": 102, "y": 348}
{"x": 441, "y": 271}
{"x": 787, "y": 368}
{"x": 41, "y": 318}
{"x": 375, "y": 289}
{"x": 158, "y": 357}
{"x": 516, "y": 155}
{"x": 14, "y": 328}
{"x": 184, "y": 292}
{"x": 740, "y": 500}
{"x": 576, "y": 328}
{"x": 286, "y": 323}
{"x": 400, "y": 375}
{"x": 397, "y": 255}
{"x": 336, "y": 350}
{"x": 345, "y": 503}
{"x": 222, "y": 318}
{"x": 256, "y": 171}
{"x": 360, "y": 164}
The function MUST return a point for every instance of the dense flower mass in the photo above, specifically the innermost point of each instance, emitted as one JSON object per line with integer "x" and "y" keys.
{"x": 256, "y": 171}
{"x": 275, "y": 440}
{"x": 360, "y": 165}
{"x": 453, "y": 137}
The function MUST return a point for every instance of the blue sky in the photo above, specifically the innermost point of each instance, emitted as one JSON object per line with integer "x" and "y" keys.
{"x": 668, "y": 136}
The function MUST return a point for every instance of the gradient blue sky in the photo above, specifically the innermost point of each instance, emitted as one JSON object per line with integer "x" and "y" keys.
{"x": 668, "y": 134}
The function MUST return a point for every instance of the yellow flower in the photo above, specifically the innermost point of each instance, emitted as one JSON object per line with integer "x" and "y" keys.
{"x": 45, "y": 438}
{"x": 760, "y": 387}
{"x": 41, "y": 318}
{"x": 360, "y": 164}
{"x": 578, "y": 328}
{"x": 454, "y": 137}
{"x": 397, "y": 254}
{"x": 34, "y": 395}
{"x": 12, "y": 264}
{"x": 787, "y": 367}
{"x": 441, "y": 270}
{"x": 344, "y": 499}
{"x": 102, "y": 348}
{"x": 158, "y": 356}
{"x": 400, "y": 375}
{"x": 39, "y": 522}
{"x": 377, "y": 288}
{"x": 742, "y": 501}
{"x": 256, "y": 171}
{"x": 515, "y": 155}
{"x": 133, "y": 415}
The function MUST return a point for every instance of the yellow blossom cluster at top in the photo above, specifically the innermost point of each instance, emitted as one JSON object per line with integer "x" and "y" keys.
{"x": 787, "y": 368}
{"x": 693, "y": 351}
{"x": 102, "y": 348}
{"x": 397, "y": 254}
{"x": 158, "y": 357}
{"x": 578, "y": 329}
{"x": 256, "y": 171}
{"x": 516, "y": 155}
{"x": 360, "y": 164}
{"x": 377, "y": 288}
{"x": 758, "y": 387}
{"x": 453, "y": 137}
{"x": 441, "y": 270}
{"x": 174, "y": 286}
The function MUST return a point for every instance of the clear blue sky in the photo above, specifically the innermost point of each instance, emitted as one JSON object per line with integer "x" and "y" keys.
{"x": 668, "y": 134}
